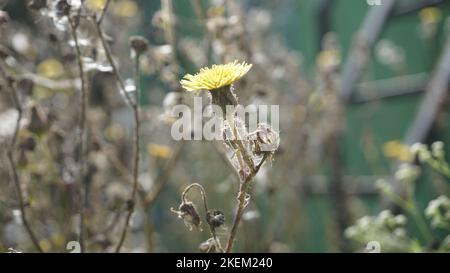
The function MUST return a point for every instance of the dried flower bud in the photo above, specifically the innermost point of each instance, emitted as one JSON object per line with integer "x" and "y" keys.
{"x": 265, "y": 139}
{"x": 139, "y": 44}
{"x": 53, "y": 38}
{"x": 28, "y": 144}
{"x": 215, "y": 218}
{"x": 37, "y": 4}
{"x": 189, "y": 214}
{"x": 4, "y": 18}
{"x": 130, "y": 204}
{"x": 62, "y": 8}
{"x": 25, "y": 86}
{"x": 38, "y": 121}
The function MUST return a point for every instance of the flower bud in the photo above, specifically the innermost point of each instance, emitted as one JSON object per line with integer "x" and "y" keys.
{"x": 38, "y": 121}
{"x": 139, "y": 44}
{"x": 62, "y": 8}
{"x": 189, "y": 214}
{"x": 215, "y": 218}
{"x": 437, "y": 149}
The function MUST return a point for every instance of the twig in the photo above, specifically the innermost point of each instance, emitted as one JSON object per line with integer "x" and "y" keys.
{"x": 82, "y": 133}
{"x": 103, "y": 12}
{"x": 115, "y": 71}
{"x": 169, "y": 29}
{"x": 362, "y": 43}
{"x": 134, "y": 104}
{"x": 12, "y": 163}
{"x": 136, "y": 109}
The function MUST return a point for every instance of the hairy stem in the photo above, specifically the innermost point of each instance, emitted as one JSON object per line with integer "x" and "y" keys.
{"x": 242, "y": 203}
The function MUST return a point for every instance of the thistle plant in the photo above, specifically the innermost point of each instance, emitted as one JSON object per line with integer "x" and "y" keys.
{"x": 246, "y": 155}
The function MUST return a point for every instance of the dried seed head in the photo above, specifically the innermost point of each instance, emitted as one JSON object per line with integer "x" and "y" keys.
{"x": 265, "y": 139}
{"x": 38, "y": 121}
{"x": 139, "y": 44}
{"x": 215, "y": 218}
{"x": 130, "y": 204}
{"x": 189, "y": 214}
{"x": 62, "y": 8}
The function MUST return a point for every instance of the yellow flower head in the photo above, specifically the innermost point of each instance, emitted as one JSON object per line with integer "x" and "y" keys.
{"x": 430, "y": 15}
{"x": 397, "y": 150}
{"x": 215, "y": 77}
{"x": 159, "y": 151}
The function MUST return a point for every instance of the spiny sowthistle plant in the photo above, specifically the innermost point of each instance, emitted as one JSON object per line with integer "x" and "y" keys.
{"x": 249, "y": 151}
{"x": 389, "y": 230}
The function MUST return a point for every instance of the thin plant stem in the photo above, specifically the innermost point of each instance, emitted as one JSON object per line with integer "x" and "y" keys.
{"x": 12, "y": 163}
{"x": 410, "y": 207}
{"x": 134, "y": 104}
{"x": 423, "y": 228}
{"x": 136, "y": 110}
{"x": 242, "y": 203}
{"x": 82, "y": 135}
{"x": 115, "y": 71}
{"x": 103, "y": 12}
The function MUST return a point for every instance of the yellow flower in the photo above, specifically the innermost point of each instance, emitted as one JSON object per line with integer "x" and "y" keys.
{"x": 215, "y": 77}
{"x": 159, "y": 151}
{"x": 125, "y": 8}
{"x": 397, "y": 150}
{"x": 430, "y": 15}
{"x": 50, "y": 68}
{"x": 328, "y": 59}
{"x": 95, "y": 5}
